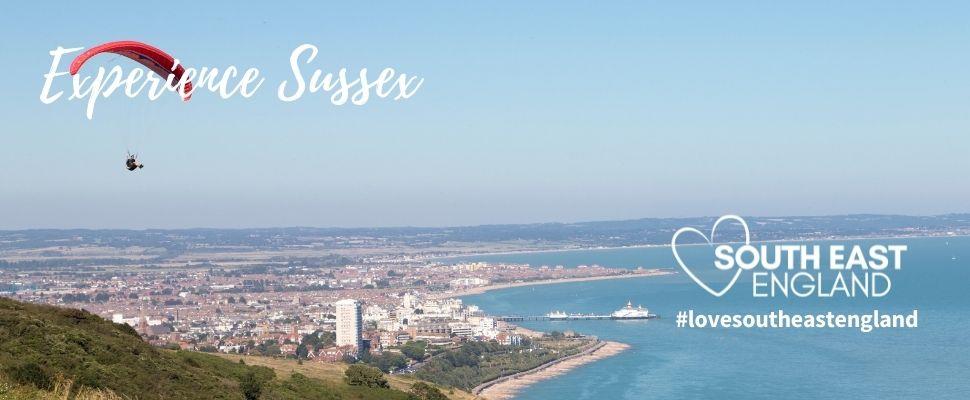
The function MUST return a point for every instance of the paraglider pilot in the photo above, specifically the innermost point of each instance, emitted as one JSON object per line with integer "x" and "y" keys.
{"x": 133, "y": 164}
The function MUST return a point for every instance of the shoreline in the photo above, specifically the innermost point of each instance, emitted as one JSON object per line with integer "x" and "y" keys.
{"x": 506, "y": 388}
{"x": 488, "y": 288}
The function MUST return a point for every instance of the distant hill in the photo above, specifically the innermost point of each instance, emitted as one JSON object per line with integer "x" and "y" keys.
{"x": 43, "y": 346}
{"x": 169, "y": 243}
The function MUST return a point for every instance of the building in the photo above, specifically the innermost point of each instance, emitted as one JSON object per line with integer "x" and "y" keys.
{"x": 461, "y": 329}
{"x": 508, "y": 339}
{"x": 468, "y": 282}
{"x": 373, "y": 338}
{"x": 375, "y": 313}
{"x": 334, "y": 354}
{"x": 349, "y": 323}
{"x": 430, "y": 328}
{"x": 486, "y": 324}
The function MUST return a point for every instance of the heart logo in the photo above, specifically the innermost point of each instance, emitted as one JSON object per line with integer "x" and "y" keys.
{"x": 710, "y": 241}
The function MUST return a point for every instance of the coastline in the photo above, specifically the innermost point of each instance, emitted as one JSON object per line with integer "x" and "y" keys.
{"x": 655, "y": 245}
{"x": 506, "y": 388}
{"x": 500, "y": 286}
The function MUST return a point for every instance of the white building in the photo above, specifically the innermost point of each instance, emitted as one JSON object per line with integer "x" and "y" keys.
{"x": 461, "y": 329}
{"x": 409, "y": 301}
{"x": 349, "y": 323}
{"x": 486, "y": 324}
{"x": 389, "y": 325}
{"x": 486, "y": 327}
{"x": 375, "y": 313}
{"x": 119, "y": 318}
{"x": 468, "y": 282}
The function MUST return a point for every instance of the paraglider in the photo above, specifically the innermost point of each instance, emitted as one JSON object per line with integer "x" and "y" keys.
{"x": 132, "y": 163}
{"x": 150, "y": 56}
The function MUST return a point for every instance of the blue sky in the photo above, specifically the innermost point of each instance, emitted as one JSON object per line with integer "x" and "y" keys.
{"x": 535, "y": 112}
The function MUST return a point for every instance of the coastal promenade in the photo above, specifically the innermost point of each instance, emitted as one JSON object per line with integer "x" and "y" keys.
{"x": 507, "y": 386}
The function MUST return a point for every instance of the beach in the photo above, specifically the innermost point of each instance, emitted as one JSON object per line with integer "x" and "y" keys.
{"x": 507, "y": 387}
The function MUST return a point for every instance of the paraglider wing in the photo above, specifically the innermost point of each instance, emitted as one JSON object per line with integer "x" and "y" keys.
{"x": 150, "y": 56}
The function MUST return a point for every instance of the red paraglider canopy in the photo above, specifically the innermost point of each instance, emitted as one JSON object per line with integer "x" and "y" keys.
{"x": 150, "y": 56}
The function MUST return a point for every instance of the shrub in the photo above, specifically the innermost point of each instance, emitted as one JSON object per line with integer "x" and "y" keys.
{"x": 31, "y": 373}
{"x": 251, "y": 385}
{"x": 362, "y": 375}
{"x": 424, "y": 391}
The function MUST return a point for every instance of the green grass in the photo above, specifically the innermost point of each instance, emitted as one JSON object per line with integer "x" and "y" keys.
{"x": 332, "y": 373}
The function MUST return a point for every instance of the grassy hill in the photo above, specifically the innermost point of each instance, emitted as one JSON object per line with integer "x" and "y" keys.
{"x": 45, "y": 351}
{"x": 334, "y": 373}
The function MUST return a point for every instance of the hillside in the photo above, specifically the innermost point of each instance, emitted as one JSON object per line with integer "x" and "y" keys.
{"x": 42, "y": 347}
{"x": 334, "y": 373}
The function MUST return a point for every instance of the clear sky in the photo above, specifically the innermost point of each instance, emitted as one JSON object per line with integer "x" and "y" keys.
{"x": 537, "y": 112}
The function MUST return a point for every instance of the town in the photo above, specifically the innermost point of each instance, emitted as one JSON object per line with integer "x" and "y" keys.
{"x": 323, "y": 313}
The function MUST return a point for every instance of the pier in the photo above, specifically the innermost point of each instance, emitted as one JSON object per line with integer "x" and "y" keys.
{"x": 625, "y": 313}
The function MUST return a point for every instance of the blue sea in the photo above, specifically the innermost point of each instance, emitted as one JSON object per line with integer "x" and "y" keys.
{"x": 931, "y": 361}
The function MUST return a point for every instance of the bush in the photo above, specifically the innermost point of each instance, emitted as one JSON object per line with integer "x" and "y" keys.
{"x": 31, "y": 373}
{"x": 424, "y": 391}
{"x": 362, "y": 375}
{"x": 251, "y": 385}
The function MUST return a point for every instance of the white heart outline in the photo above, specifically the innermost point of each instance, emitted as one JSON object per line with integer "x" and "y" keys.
{"x": 737, "y": 272}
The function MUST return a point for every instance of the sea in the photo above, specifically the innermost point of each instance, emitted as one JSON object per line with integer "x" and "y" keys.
{"x": 931, "y": 361}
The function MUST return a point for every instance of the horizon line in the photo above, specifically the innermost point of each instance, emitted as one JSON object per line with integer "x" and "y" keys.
{"x": 967, "y": 213}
